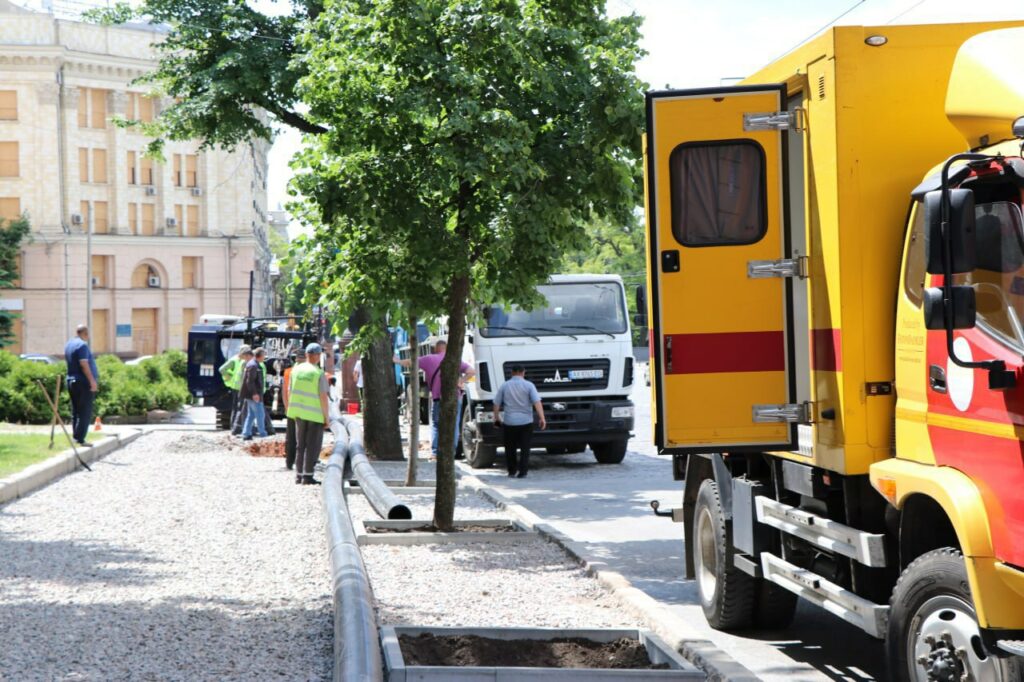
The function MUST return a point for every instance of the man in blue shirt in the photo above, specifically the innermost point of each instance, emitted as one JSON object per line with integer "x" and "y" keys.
{"x": 520, "y": 399}
{"x": 83, "y": 382}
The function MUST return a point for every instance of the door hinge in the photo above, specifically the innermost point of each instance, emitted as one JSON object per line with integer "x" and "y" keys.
{"x": 799, "y": 413}
{"x": 775, "y": 120}
{"x": 783, "y": 267}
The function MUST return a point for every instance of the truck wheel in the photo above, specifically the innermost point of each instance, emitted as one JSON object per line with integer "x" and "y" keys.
{"x": 727, "y": 594}
{"x": 478, "y": 455}
{"x": 611, "y": 452}
{"x": 933, "y": 628}
{"x": 223, "y": 420}
{"x": 775, "y": 607}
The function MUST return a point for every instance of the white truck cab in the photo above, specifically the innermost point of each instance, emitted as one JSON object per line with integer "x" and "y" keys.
{"x": 578, "y": 351}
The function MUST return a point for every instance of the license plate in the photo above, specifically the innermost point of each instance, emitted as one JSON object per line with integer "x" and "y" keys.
{"x": 586, "y": 373}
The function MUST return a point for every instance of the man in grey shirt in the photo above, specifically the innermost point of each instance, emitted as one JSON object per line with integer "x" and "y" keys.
{"x": 519, "y": 397}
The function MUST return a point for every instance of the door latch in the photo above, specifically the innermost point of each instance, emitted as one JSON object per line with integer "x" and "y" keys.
{"x": 775, "y": 120}
{"x": 783, "y": 267}
{"x": 792, "y": 413}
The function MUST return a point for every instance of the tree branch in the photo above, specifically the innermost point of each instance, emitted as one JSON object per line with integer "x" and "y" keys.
{"x": 293, "y": 119}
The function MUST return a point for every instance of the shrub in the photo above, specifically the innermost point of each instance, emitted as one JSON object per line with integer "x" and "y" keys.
{"x": 177, "y": 363}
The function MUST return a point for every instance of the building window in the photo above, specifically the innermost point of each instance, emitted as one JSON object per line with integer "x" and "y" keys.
{"x": 718, "y": 193}
{"x": 140, "y": 107}
{"x": 146, "y": 170}
{"x": 100, "y": 222}
{"x": 191, "y": 267}
{"x": 177, "y": 170}
{"x": 179, "y": 217}
{"x": 10, "y": 208}
{"x": 9, "y": 167}
{"x": 191, "y": 163}
{"x": 192, "y": 220}
{"x": 8, "y": 105}
{"x": 145, "y": 277}
{"x": 133, "y": 175}
{"x": 188, "y": 320}
{"x": 133, "y": 218}
{"x": 83, "y": 164}
{"x": 100, "y": 271}
{"x": 148, "y": 211}
{"x": 99, "y": 165}
{"x": 98, "y": 102}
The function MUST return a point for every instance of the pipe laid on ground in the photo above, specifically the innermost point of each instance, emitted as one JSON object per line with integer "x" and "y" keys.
{"x": 357, "y": 656}
{"x": 384, "y": 502}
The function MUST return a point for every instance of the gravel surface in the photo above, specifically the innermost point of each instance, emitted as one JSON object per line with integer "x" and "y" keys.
{"x": 395, "y": 471}
{"x": 177, "y": 558}
{"x": 529, "y": 585}
{"x": 468, "y": 505}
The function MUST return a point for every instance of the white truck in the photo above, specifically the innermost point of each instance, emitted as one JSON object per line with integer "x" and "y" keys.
{"x": 577, "y": 350}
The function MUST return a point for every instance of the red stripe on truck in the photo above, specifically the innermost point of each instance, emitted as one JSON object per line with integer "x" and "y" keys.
{"x": 726, "y": 352}
{"x": 827, "y": 350}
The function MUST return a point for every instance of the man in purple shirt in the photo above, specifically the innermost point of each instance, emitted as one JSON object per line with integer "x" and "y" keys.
{"x": 431, "y": 366}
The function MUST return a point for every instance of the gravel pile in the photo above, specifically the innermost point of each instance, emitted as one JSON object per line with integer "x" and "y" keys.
{"x": 468, "y": 505}
{"x": 530, "y": 585}
{"x": 177, "y": 558}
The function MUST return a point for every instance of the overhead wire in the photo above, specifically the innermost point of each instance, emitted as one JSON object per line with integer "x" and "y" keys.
{"x": 852, "y": 7}
{"x": 906, "y": 11}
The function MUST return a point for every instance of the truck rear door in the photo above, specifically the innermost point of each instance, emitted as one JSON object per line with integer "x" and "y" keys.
{"x": 721, "y": 271}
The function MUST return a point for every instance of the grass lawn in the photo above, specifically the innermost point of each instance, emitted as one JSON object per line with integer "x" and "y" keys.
{"x": 19, "y": 450}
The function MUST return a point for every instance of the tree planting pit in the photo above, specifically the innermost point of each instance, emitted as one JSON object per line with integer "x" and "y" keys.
{"x": 520, "y": 654}
{"x": 422, "y": 532}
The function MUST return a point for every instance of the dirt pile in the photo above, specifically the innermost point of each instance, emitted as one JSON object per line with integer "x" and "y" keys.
{"x": 561, "y": 652}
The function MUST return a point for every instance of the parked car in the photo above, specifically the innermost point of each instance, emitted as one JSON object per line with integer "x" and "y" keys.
{"x": 38, "y": 357}
{"x": 138, "y": 360}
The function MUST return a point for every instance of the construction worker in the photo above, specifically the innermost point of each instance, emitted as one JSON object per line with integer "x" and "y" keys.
{"x": 307, "y": 405}
{"x": 231, "y": 374}
{"x": 298, "y": 357}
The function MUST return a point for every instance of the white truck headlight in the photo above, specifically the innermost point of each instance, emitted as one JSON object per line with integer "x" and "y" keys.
{"x": 622, "y": 412}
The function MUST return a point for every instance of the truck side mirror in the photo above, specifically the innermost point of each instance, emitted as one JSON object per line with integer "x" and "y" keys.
{"x": 961, "y": 231}
{"x": 641, "y": 299}
{"x": 964, "y": 308}
{"x": 640, "y": 320}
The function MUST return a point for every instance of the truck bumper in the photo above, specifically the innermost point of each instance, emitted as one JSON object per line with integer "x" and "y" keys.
{"x": 570, "y": 420}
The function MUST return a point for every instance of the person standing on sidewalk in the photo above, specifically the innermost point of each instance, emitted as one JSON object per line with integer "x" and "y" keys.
{"x": 431, "y": 366}
{"x": 252, "y": 391}
{"x": 83, "y": 382}
{"x": 289, "y": 435}
{"x": 231, "y": 373}
{"x": 307, "y": 405}
{"x": 520, "y": 399}
{"x": 244, "y": 356}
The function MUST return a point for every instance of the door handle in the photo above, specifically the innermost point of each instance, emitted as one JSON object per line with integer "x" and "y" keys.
{"x": 937, "y": 378}
{"x": 670, "y": 261}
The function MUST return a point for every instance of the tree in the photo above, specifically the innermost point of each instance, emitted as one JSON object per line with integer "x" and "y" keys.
{"x": 468, "y": 143}
{"x": 12, "y": 233}
{"x": 230, "y": 72}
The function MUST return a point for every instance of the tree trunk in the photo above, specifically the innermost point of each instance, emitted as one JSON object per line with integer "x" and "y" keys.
{"x": 444, "y": 498}
{"x": 414, "y": 402}
{"x": 382, "y": 435}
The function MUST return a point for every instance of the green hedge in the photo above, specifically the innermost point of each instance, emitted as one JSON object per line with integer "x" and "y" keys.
{"x": 156, "y": 383}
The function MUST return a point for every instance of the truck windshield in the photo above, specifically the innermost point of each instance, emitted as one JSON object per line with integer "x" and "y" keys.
{"x": 572, "y": 309}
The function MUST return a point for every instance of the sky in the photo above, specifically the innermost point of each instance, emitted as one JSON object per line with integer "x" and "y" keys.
{"x": 697, "y": 43}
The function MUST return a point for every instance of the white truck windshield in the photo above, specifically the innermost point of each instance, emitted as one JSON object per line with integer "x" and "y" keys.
{"x": 572, "y": 309}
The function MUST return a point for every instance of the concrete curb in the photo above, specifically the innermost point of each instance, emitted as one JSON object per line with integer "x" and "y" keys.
{"x": 719, "y": 666}
{"x": 41, "y": 474}
{"x": 363, "y": 537}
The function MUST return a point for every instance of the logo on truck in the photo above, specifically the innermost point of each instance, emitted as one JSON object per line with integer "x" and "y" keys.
{"x": 558, "y": 379}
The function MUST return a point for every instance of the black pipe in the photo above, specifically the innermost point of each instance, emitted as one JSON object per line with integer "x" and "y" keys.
{"x": 384, "y": 502}
{"x": 357, "y": 656}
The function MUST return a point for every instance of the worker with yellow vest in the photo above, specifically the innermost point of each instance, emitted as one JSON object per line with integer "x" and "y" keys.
{"x": 231, "y": 374}
{"x": 307, "y": 405}
{"x": 298, "y": 357}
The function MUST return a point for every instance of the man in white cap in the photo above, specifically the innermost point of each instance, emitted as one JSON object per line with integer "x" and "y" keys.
{"x": 307, "y": 405}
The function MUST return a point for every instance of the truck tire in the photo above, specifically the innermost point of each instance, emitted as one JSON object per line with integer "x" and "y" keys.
{"x": 478, "y": 455}
{"x": 775, "y": 606}
{"x": 727, "y": 594}
{"x": 611, "y": 452}
{"x": 223, "y": 421}
{"x": 932, "y": 598}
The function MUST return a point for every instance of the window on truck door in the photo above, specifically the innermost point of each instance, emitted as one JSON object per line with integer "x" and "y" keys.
{"x": 718, "y": 193}
{"x": 913, "y": 270}
{"x": 998, "y": 279}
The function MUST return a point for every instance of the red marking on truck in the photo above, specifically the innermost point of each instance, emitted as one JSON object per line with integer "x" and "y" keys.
{"x": 725, "y": 352}
{"x": 826, "y": 350}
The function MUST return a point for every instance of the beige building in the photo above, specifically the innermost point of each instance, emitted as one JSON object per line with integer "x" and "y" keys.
{"x": 170, "y": 240}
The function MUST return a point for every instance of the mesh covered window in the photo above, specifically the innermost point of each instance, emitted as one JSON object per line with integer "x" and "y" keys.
{"x": 718, "y": 193}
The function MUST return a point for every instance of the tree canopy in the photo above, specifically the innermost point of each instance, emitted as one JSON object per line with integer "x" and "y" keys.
{"x": 12, "y": 233}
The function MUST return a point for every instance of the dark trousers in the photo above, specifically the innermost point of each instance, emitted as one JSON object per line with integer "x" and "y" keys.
{"x": 239, "y": 414}
{"x": 81, "y": 408}
{"x": 290, "y": 444}
{"x": 309, "y": 438}
{"x": 517, "y": 438}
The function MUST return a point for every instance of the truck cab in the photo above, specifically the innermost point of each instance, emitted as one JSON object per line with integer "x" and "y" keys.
{"x": 576, "y": 349}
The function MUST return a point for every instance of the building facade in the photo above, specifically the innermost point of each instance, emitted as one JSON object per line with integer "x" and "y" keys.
{"x": 153, "y": 243}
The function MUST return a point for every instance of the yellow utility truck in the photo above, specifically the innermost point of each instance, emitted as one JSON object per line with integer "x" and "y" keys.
{"x": 836, "y": 290}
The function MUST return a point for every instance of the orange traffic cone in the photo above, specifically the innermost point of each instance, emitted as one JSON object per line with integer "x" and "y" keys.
{"x": 97, "y": 425}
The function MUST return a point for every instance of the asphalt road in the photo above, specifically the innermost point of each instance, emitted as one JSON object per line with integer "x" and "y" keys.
{"x": 606, "y": 507}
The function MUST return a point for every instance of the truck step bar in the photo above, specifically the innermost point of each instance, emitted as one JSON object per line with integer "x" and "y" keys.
{"x": 866, "y": 548}
{"x": 870, "y": 617}
{"x": 1014, "y": 647}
